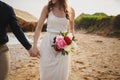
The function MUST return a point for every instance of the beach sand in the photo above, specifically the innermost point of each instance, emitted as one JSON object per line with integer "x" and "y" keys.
{"x": 96, "y": 58}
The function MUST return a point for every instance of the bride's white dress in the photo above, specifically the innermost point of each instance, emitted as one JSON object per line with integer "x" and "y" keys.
{"x": 53, "y": 65}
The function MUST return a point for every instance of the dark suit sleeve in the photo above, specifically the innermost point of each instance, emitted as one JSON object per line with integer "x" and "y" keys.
{"x": 17, "y": 30}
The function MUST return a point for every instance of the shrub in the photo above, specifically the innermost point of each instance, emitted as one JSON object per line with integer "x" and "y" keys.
{"x": 116, "y": 22}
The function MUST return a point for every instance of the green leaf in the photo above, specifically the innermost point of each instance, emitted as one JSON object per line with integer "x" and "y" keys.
{"x": 61, "y": 33}
{"x": 72, "y": 49}
{"x": 75, "y": 40}
{"x": 66, "y": 33}
{"x": 53, "y": 46}
{"x": 63, "y": 53}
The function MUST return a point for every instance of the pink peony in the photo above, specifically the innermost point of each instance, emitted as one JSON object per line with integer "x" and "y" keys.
{"x": 60, "y": 43}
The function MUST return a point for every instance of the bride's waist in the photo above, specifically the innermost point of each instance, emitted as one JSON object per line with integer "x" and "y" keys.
{"x": 55, "y": 32}
{"x": 51, "y": 32}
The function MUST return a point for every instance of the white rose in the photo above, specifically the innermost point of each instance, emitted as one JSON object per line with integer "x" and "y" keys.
{"x": 68, "y": 48}
{"x": 70, "y": 35}
{"x": 73, "y": 45}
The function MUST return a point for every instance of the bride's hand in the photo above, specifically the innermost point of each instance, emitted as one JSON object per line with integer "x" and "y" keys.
{"x": 36, "y": 52}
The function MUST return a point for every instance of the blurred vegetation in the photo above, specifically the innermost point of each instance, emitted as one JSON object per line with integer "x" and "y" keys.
{"x": 99, "y": 23}
{"x": 117, "y": 22}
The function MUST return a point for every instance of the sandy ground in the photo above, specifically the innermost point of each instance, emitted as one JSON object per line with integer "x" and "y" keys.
{"x": 96, "y": 58}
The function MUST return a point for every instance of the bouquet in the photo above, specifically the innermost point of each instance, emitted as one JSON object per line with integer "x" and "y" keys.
{"x": 65, "y": 43}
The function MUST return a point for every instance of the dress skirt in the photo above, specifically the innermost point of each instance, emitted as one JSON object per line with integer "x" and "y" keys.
{"x": 53, "y": 65}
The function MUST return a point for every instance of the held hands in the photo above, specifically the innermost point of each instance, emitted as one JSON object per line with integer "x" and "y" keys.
{"x": 34, "y": 52}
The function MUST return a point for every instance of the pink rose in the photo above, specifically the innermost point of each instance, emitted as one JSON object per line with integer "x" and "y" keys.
{"x": 60, "y": 43}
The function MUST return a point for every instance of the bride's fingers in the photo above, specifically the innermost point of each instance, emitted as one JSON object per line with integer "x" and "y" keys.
{"x": 39, "y": 53}
{"x": 38, "y": 57}
{"x": 33, "y": 54}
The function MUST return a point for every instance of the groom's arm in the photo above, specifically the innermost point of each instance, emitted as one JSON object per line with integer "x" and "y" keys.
{"x": 17, "y": 30}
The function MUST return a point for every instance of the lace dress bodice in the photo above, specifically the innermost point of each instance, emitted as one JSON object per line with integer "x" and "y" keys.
{"x": 56, "y": 24}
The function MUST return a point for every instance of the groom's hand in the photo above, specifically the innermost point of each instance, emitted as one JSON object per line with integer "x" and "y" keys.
{"x": 36, "y": 54}
{"x": 30, "y": 51}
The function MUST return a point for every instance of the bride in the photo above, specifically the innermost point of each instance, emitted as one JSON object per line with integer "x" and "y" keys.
{"x": 60, "y": 17}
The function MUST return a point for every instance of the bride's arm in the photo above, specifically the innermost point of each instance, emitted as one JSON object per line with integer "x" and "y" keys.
{"x": 71, "y": 22}
{"x": 39, "y": 27}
